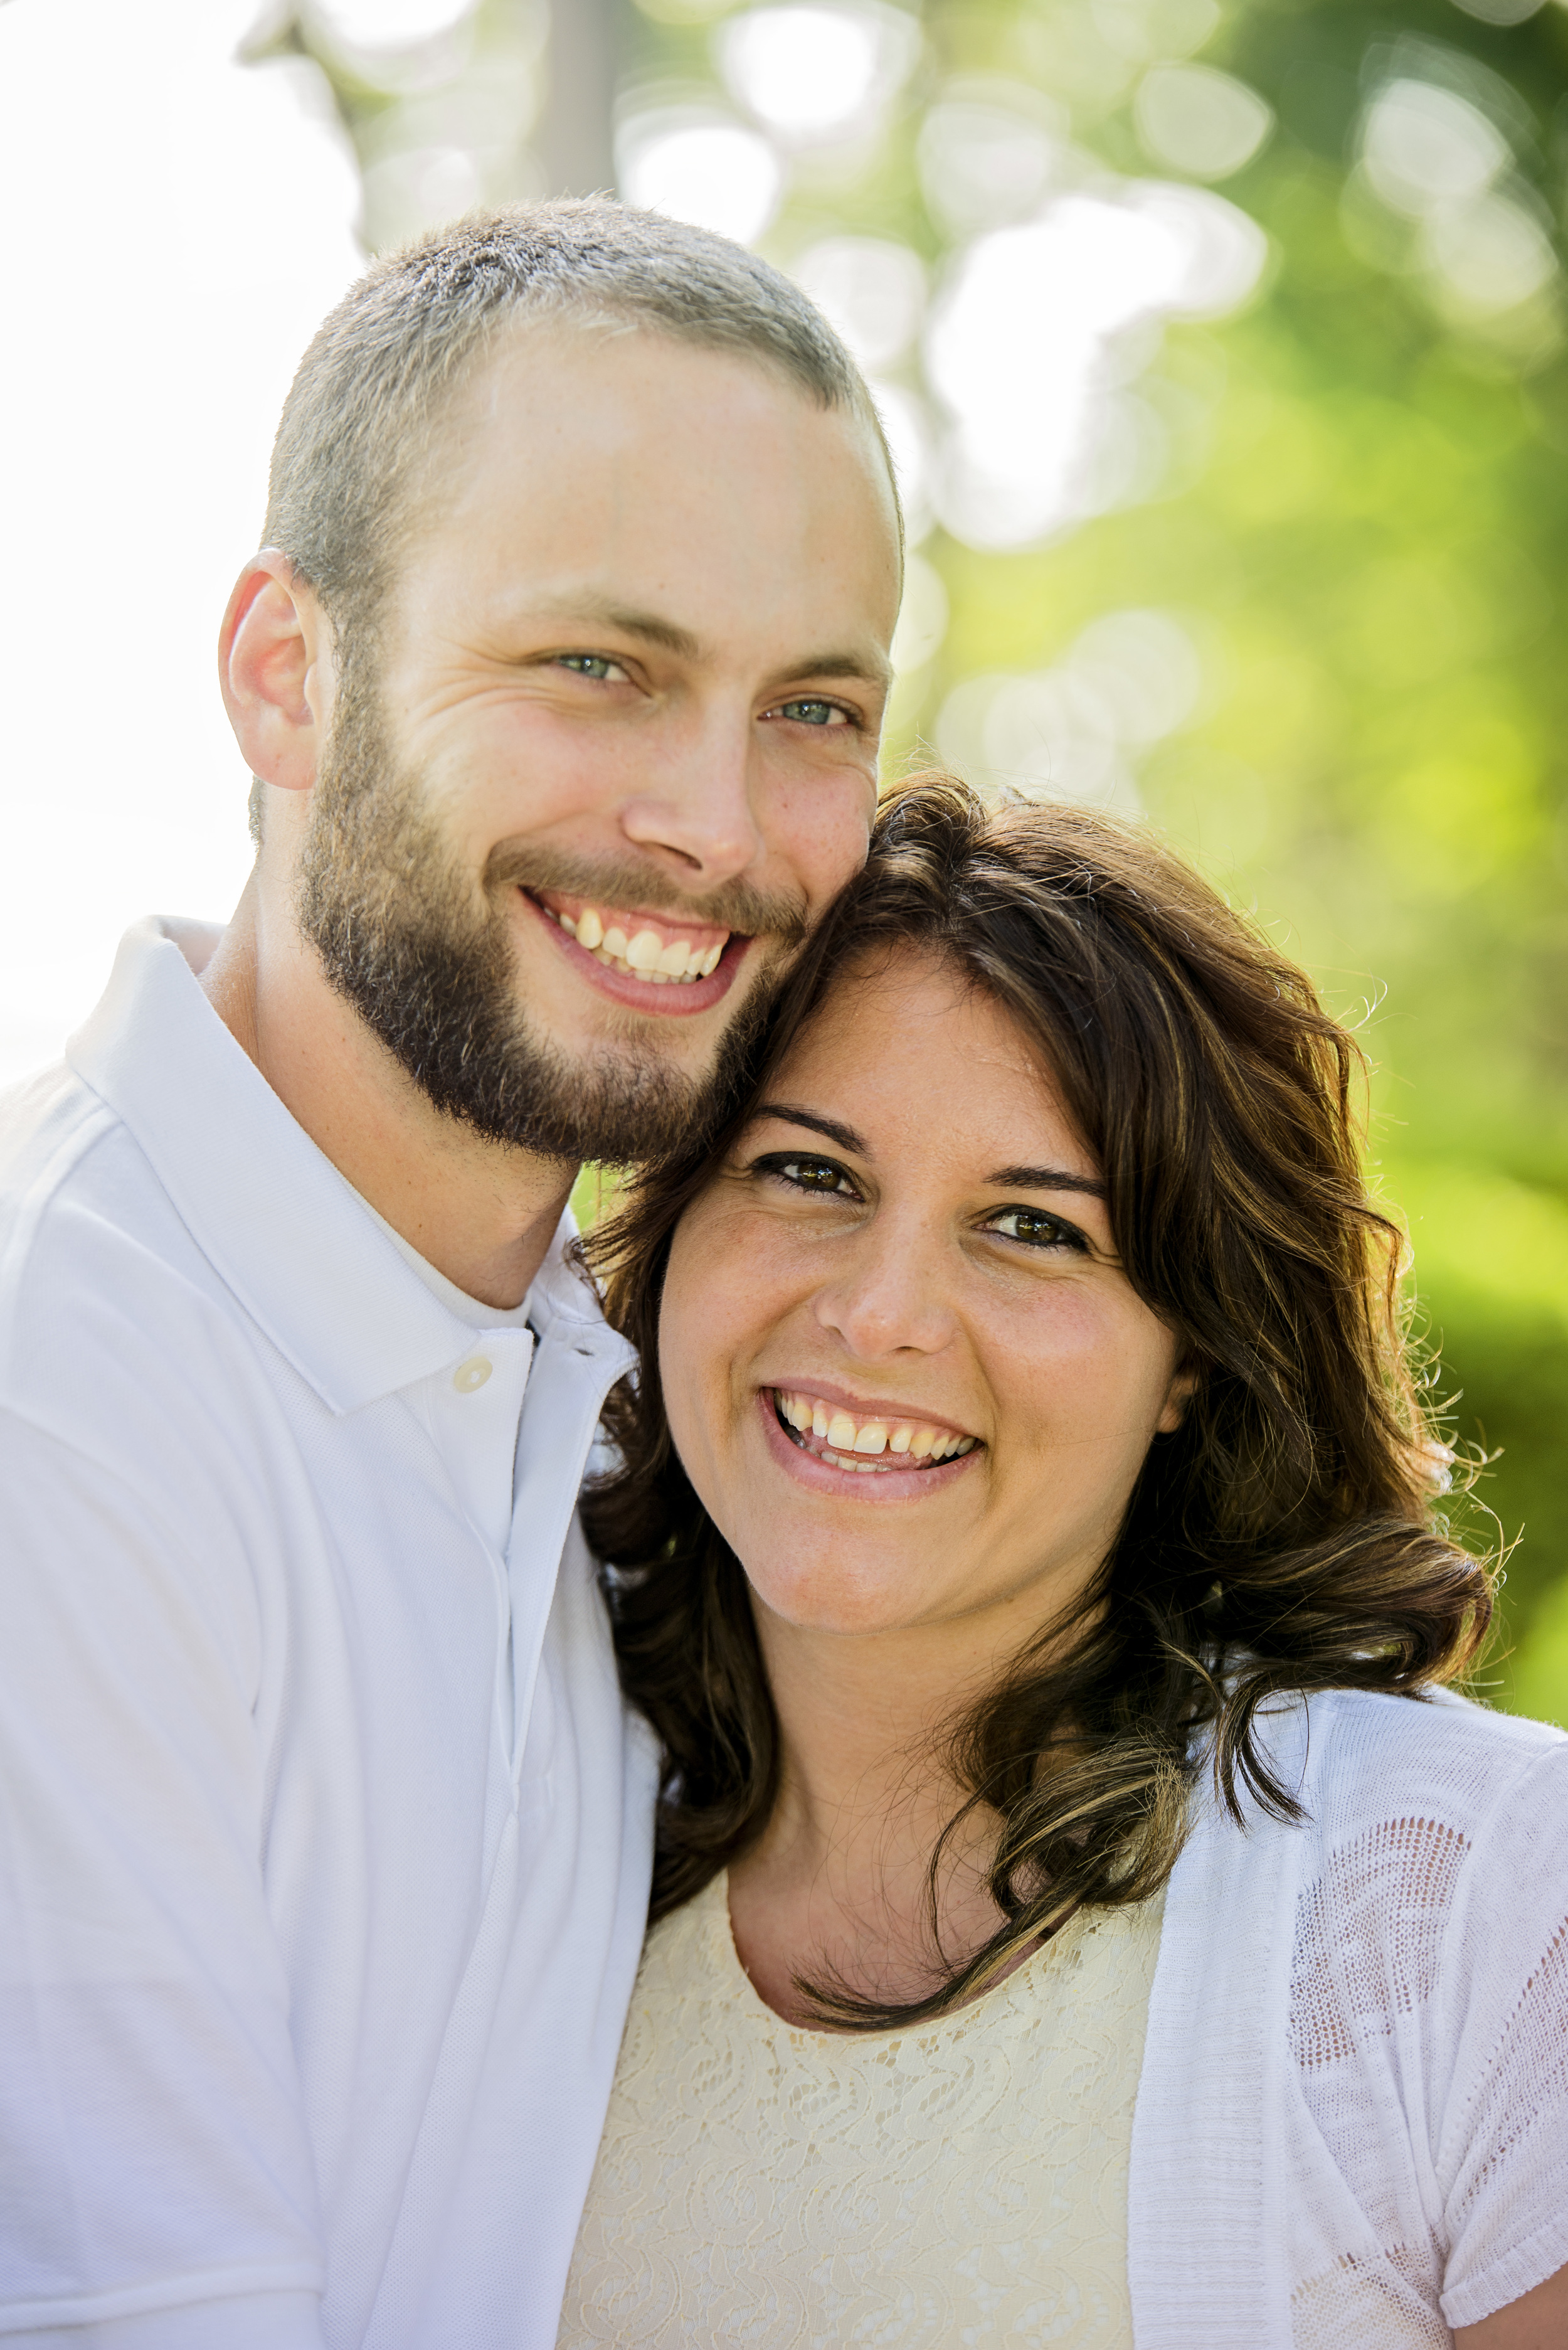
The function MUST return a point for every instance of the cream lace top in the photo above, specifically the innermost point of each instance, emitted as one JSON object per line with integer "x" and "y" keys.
{"x": 958, "y": 2183}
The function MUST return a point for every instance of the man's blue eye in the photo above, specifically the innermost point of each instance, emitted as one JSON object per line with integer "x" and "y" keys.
{"x": 810, "y": 714}
{"x": 587, "y": 664}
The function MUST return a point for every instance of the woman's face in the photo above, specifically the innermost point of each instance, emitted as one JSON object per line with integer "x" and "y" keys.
{"x": 903, "y": 1369}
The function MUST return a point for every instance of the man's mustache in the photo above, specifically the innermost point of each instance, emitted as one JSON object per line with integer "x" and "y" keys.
{"x": 633, "y": 884}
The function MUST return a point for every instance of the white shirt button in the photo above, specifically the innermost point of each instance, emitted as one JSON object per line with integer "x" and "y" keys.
{"x": 472, "y": 1374}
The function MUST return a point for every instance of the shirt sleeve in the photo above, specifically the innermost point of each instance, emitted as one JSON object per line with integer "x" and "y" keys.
{"x": 152, "y": 2142}
{"x": 1500, "y": 2043}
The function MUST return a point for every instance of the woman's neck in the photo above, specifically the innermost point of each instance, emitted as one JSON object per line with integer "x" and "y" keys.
{"x": 837, "y": 1889}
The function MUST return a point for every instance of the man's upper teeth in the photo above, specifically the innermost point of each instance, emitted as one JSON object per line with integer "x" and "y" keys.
{"x": 646, "y": 953}
{"x": 832, "y": 1425}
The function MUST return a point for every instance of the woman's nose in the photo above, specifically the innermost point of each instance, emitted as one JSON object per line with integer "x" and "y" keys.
{"x": 890, "y": 1299}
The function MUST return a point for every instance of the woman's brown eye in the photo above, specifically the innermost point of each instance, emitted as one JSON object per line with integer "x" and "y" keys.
{"x": 1036, "y": 1230}
{"x": 813, "y": 1175}
{"x": 805, "y": 1174}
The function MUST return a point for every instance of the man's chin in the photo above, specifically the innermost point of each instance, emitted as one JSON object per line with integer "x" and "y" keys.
{"x": 632, "y": 1109}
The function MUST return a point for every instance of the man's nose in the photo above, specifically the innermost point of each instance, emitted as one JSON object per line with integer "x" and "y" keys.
{"x": 700, "y": 813}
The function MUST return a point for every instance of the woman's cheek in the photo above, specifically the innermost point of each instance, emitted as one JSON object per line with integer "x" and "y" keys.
{"x": 681, "y": 1356}
{"x": 704, "y": 1331}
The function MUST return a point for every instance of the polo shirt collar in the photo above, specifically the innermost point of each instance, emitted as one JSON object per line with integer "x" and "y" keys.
{"x": 283, "y": 1230}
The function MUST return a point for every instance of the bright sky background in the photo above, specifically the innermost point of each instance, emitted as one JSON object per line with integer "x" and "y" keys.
{"x": 172, "y": 227}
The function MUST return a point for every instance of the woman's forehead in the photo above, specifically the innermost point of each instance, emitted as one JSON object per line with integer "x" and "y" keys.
{"x": 905, "y": 1040}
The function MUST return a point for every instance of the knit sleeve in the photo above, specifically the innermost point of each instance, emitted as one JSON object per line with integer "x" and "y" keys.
{"x": 1498, "y": 2121}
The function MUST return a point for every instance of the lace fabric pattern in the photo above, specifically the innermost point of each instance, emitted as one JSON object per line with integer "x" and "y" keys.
{"x": 958, "y": 2183}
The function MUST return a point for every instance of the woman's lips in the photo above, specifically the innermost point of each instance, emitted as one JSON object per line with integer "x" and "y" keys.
{"x": 883, "y": 1479}
{"x": 867, "y": 1431}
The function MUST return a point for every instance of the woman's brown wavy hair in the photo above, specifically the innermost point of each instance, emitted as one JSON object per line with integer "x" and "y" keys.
{"x": 1285, "y": 1537}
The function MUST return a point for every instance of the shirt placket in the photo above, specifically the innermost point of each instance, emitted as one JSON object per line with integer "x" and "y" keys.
{"x": 574, "y": 1368}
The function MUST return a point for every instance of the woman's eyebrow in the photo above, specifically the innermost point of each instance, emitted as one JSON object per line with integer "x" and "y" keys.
{"x": 1044, "y": 1179}
{"x": 791, "y": 1115}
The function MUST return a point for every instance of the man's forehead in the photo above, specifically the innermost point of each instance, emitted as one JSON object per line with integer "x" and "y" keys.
{"x": 590, "y": 475}
{"x": 570, "y": 373}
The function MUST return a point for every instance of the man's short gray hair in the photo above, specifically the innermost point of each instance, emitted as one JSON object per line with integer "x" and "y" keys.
{"x": 360, "y": 415}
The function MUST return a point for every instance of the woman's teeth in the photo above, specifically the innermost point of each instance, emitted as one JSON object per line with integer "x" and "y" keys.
{"x": 841, "y": 1437}
{"x": 646, "y": 954}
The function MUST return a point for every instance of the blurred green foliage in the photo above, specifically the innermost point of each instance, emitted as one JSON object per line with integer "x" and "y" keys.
{"x": 1363, "y": 522}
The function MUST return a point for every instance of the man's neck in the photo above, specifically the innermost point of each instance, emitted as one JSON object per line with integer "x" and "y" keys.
{"x": 481, "y": 1213}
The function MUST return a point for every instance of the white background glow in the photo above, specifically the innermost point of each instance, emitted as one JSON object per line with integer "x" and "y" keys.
{"x": 1424, "y": 148}
{"x": 1128, "y": 680}
{"x": 389, "y": 24}
{"x": 172, "y": 227}
{"x": 872, "y": 290}
{"x": 695, "y": 168}
{"x": 1432, "y": 155}
{"x": 1020, "y": 346}
{"x": 1193, "y": 119}
{"x": 816, "y": 73}
{"x": 987, "y": 153}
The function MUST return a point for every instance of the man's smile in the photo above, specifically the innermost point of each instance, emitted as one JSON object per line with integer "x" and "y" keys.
{"x": 647, "y": 961}
{"x": 655, "y": 947}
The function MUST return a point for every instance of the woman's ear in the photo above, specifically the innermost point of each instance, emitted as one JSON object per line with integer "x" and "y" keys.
{"x": 275, "y": 667}
{"x": 1177, "y": 1395}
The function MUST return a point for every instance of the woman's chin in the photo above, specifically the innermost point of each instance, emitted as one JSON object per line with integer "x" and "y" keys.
{"x": 837, "y": 1603}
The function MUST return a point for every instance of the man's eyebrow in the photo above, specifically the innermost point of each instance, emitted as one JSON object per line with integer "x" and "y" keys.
{"x": 871, "y": 668}
{"x": 789, "y": 1114}
{"x": 598, "y": 612}
{"x": 868, "y": 668}
{"x": 1044, "y": 1179}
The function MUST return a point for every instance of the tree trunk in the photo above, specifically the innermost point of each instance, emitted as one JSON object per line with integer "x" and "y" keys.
{"x": 574, "y": 137}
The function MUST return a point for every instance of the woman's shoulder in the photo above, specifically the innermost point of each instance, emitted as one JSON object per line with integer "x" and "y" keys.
{"x": 1372, "y": 1757}
{"x": 1435, "y": 1783}
{"x": 1434, "y": 1794}
{"x": 1434, "y": 1805}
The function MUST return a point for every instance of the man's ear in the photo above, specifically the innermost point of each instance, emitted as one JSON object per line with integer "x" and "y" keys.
{"x": 274, "y": 665}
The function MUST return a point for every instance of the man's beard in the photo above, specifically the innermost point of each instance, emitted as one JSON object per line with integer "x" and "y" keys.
{"x": 433, "y": 975}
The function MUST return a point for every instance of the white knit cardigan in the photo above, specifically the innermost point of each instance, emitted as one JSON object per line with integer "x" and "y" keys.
{"x": 1352, "y": 2124}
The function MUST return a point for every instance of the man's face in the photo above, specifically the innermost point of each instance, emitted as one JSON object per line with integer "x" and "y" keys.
{"x": 615, "y": 748}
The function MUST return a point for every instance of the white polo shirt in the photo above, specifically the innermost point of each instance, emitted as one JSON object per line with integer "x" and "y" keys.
{"x": 324, "y": 1840}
